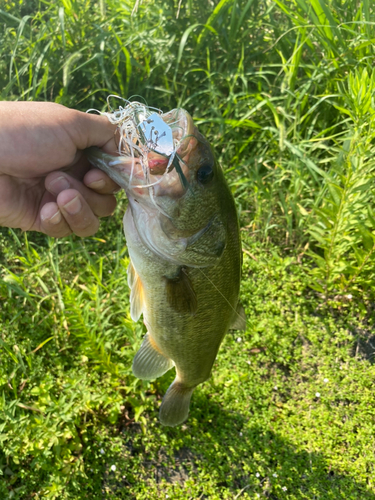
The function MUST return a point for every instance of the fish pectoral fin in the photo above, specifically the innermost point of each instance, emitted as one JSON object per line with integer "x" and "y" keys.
{"x": 150, "y": 363}
{"x": 239, "y": 319}
{"x": 180, "y": 294}
{"x": 174, "y": 408}
{"x": 136, "y": 298}
{"x": 131, "y": 274}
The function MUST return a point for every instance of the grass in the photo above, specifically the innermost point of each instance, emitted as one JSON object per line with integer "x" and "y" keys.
{"x": 285, "y": 93}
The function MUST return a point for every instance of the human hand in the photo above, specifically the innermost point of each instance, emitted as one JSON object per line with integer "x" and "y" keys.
{"x": 46, "y": 182}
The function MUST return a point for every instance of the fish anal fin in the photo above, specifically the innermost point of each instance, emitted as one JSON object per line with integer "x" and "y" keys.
{"x": 136, "y": 299}
{"x": 180, "y": 293}
{"x": 239, "y": 319}
{"x": 149, "y": 362}
{"x": 174, "y": 408}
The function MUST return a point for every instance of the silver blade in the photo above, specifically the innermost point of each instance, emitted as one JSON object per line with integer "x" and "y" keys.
{"x": 157, "y": 135}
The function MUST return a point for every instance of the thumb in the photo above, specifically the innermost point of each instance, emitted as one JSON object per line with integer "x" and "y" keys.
{"x": 93, "y": 130}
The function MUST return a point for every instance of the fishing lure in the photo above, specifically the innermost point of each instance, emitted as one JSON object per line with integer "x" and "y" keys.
{"x": 142, "y": 130}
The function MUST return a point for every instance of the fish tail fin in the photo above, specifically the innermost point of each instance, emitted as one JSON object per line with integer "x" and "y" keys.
{"x": 175, "y": 405}
{"x": 149, "y": 363}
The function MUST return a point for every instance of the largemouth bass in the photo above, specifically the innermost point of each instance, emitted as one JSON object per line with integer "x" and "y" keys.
{"x": 183, "y": 237}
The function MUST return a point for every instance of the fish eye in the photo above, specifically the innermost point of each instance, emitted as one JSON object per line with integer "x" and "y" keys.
{"x": 205, "y": 173}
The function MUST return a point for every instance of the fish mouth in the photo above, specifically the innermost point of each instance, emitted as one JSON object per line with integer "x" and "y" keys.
{"x": 153, "y": 158}
{"x": 155, "y": 162}
{"x": 152, "y": 167}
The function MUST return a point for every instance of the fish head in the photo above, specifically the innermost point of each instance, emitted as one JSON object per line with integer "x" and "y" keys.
{"x": 181, "y": 204}
{"x": 178, "y": 200}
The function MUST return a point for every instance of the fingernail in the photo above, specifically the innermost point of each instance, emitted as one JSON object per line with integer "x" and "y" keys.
{"x": 74, "y": 206}
{"x": 58, "y": 185}
{"x": 97, "y": 184}
{"x": 55, "y": 219}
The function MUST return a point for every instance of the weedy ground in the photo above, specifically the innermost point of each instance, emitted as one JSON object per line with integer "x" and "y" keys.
{"x": 284, "y": 90}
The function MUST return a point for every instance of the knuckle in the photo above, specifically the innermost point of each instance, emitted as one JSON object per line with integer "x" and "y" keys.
{"x": 89, "y": 231}
{"x": 108, "y": 207}
{"x": 56, "y": 231}
{"x": 86, "y": 227}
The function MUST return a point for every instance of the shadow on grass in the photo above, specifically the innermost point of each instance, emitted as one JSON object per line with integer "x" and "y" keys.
{"x": 364, "y": 345}
{"x": 220, "y": 454}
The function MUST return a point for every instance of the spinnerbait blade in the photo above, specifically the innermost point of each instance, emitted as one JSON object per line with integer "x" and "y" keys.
{"x": 157, "y": 136}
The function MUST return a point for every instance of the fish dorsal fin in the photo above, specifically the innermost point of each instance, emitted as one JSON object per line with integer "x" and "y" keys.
{"x": 180, "y": 293}
{"x": 239, "y": 319}
{"x": 149, "y": 362}
{"x": 136, "y": 293}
